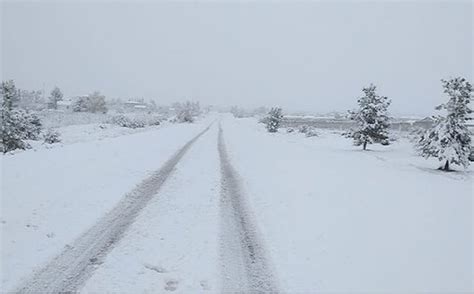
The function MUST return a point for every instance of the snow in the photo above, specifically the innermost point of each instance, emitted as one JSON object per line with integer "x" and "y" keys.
{"x": 173, "y": 245}
{"x": 332, "y": 218}
{"x": 50, "y": 196}
{"x": 336, "y": 218}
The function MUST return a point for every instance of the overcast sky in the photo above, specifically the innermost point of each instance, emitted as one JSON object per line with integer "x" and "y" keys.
{"x": 313, "y": 56}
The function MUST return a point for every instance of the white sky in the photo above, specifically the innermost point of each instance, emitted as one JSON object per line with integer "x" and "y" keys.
{"x": 313, "y": 56}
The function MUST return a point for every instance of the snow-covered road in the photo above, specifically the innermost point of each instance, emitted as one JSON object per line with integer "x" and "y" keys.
{"x": 185, "y": 228}
{"x": 77, "y": 262}
{"x": 241, "y": 210}
{"x": 245, "y": 264}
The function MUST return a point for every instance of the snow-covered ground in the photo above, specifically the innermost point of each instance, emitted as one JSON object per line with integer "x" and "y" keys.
{"x": 81, "y": 133}
{"x": 50, "y": 196}
{"x": 336, "y": 218}
{"x": 327, "y": 216}
{"x": 173, "y": 245}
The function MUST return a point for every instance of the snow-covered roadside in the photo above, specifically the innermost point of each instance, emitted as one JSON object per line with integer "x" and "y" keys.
{"x": 73, "y": 134}
{"x": 91, "y": 132}
{"x": 173, "y": 244}
{"x": 338, "y": 219}
{"x": 50, "y": 196}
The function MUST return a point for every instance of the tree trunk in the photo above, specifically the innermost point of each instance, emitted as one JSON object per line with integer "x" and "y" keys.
{"x": 365, "y": 145}
{"x": 446, "y": 166}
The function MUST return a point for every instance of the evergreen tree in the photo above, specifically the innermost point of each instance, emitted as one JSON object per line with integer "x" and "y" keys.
{"x": 273, "y": 119}
{"x": 56, "y": 95}
{"x": 449, "y": 139}
{"x": 371, "y": 118}
{"x": 16, "y": 125}
{"x": 9, "y": 95}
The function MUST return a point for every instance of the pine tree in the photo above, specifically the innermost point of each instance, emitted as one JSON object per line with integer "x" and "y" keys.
{"x": 9, "y": 95}
{"x": 449, "y": 139}
{"x": 273, "y": 119}
{"x": 371, "y": 118}
{"x": 56, "y": 95}
{"x": 16, "y": 124}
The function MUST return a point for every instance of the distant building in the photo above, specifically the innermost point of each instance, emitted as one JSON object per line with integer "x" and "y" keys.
{"x": 425, "y": 123}
{"x": 65, "y": 105}
{"x": 135, "y": 105}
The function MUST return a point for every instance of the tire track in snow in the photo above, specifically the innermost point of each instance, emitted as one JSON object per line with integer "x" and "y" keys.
{"x": 245, "y": 265}
{"x": 68, "y": 271}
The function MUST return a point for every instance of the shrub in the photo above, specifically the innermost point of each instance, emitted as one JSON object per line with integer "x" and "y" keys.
{"x": 303, "y": 129}
{"x": 311, "y": 132}
{"x": 126, "y": 122}
{"x": 17, "y": 126}
{"x": 51, "y": 136}
{"x": 153, "y": 121}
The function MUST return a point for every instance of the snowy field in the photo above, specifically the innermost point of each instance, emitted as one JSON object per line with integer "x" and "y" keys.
{"x": 328, "y": 216}
{"x": 336, "y": 218}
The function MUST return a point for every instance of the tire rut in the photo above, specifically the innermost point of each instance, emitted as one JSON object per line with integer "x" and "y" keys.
{"x": 245, "y": 266}
{"x": 69, "y": 270}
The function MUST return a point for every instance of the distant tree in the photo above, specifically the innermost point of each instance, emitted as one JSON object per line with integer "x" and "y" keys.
{"x": 237, "y": 112}
{"x": 187, "y": 112}
{"x": 371, "y": 118}
{"x": 80, "y": 104}
{"x": 56, "y": 95}
{"x": 31, "y": 100}
{"x": 9, "y": 95}
{"x": 94, "y": 102}
{"x": 97, "y": 102}
{"x": 153, "y": 106}
{"x": 449, "y": 139}
{"x": 273, "y": 119}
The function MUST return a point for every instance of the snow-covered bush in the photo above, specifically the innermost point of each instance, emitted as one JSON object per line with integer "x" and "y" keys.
{"x": 12, "y": 137}
{"x": 372, "y": 119}
{"x": 187, "y": 112}
{"x": 449, "y": 139}
{"x": 303, "y": 129}
{"x": 51, "y": 136}
{"x": 273, "y": 119}
{"x": 308, "y": 131}
{"x": 126, "y": 122}
{"x": 17, "y": 125}
{"x": 153, "y": 120}
{"x": 135, "y": 121}
{"x": 311, "y": 132}
{"x": 28, "y": 124}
